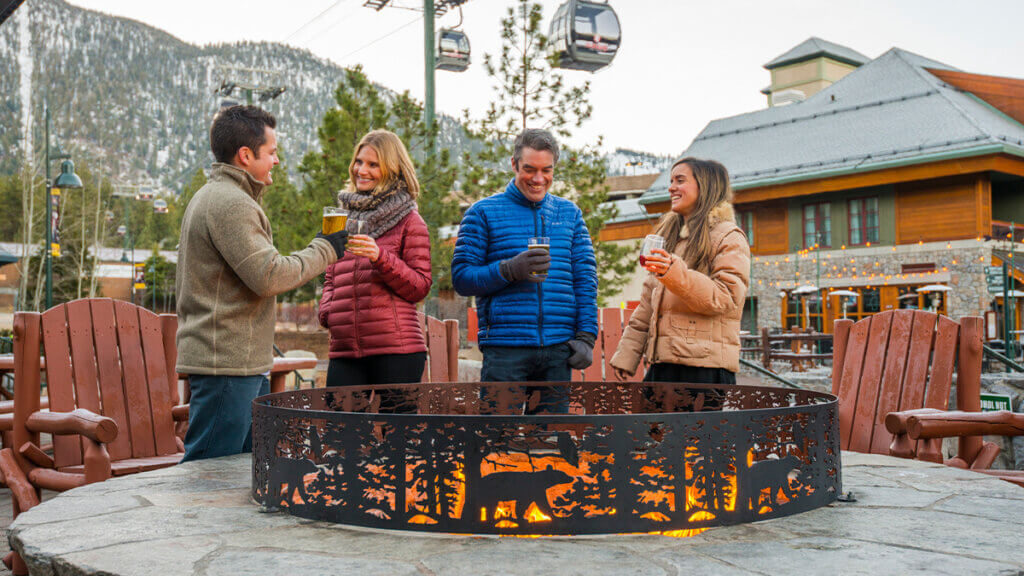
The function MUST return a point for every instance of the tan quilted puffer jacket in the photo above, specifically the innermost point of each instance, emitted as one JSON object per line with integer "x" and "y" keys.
{"x": 686, "y": 317}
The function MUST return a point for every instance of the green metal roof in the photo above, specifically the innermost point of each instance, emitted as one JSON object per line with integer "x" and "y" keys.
{"x": 814, "y": 48}
{"x": 889, "y": 112}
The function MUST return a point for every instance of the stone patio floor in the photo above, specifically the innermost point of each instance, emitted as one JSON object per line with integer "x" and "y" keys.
{"x": 196, "y": 519}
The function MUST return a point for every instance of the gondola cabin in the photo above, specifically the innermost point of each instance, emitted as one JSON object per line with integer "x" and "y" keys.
{"x": 585, "y": 35}
{"x": 452, "y": 50}
{"x": 160, "y": 206}
{"x": 122, "y": 230}
{"x": 145, "y": 193}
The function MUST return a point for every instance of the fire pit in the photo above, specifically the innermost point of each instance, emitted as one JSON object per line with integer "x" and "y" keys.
{"x": 478, "y": 458}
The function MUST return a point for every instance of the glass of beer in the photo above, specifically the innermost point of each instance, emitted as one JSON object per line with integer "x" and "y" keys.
{"x": 542, "y": 242}
{"x": 360, "y": 227}
{"x": 334, "y": 220}
{"x": 651, "y": 243}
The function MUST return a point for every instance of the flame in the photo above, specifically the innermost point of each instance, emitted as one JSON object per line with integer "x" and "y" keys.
{"x": 533, "y": 514}
{"x": 422, "y": 519}
{"x": 656, "y": 485}
{"x": 656, "y": 516}
{"x": 505, "y": 510}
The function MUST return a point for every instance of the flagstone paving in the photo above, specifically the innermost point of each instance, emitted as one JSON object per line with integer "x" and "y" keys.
{"x": 196, "y": 519}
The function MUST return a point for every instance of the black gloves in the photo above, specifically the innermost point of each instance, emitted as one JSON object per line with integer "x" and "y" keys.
{"x": 531, "y": 265}
{"x": 582, "y": 347}
{"x": 337, "y": 240}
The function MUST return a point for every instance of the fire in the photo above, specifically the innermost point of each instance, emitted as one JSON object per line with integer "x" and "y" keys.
{"x": 657, "y": 485}
{"x": 533, "y": 514}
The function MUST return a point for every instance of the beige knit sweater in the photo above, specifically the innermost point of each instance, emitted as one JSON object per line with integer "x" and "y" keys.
{"x": 229, "y": 275}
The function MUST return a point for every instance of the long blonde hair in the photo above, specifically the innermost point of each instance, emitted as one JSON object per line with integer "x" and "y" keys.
{"x": 712, "y": 189}
{"x": 394, "y": 160}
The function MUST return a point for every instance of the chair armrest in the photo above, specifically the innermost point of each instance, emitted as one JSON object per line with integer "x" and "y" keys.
{"x": 179, "y": 413}
{"x": 290, "y": 364}
{"x": 956, "y": 423}
{"x": 902, "y": 445}
{"x": 896, "y": 422}
{"x": 81, "y": 421}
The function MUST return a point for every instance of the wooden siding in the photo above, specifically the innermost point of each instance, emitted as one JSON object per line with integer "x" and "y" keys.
{"x": 1005, "y": 94}
{"x": 771, "y": 229}
{"x": 943, "y": 209}
{"x": 628, "y": 230}
{"x": 992, "y": 162}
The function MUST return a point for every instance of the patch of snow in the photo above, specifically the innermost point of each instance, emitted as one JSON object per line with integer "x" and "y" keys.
{"x": 25, "y": 66}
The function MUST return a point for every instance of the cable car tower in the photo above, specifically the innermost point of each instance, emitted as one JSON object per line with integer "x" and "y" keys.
{"x": 264, "y": 84}
{"x": 585, "y": 35}
{"x": 433, "y": 54}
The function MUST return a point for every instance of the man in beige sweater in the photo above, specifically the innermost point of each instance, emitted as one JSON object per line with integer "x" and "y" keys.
{"x": 229, "y": 275}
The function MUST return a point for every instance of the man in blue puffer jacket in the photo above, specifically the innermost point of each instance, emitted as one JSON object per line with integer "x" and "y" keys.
{"x": 537, "y": 310}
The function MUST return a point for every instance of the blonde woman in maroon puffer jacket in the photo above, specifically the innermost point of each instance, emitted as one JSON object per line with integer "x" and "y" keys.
{"x": 370, "y": 295}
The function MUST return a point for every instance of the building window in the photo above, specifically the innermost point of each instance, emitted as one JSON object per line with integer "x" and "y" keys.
{"x": 818, "y": 225}
{"x": 746, "y": 222}
{"x": 863, "y": 221}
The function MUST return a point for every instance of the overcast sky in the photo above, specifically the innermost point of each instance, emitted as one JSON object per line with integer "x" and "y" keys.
{"x": 682, "y": 63}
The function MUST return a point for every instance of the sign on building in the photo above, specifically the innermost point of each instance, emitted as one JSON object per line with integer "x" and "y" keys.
{"x": 994, "y": 279}
{"x": 995, "y": 402}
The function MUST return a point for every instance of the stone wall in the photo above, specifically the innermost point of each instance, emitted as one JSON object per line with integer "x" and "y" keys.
{"x": 960, "y": 264}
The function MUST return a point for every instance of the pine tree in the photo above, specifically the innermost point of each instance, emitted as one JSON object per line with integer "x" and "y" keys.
{"x": 176, "y": 209}
{"x": 295, "y": 220}
{"x": 360, "y": 108}
{"x": 529, "y": 92}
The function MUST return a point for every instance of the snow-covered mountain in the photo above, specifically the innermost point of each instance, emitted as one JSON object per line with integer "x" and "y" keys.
{"x": 137, "y": 102}
{"x": 624, "y": 162}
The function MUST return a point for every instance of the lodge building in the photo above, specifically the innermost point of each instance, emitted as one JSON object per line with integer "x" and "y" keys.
{"x": 897, "y": 179}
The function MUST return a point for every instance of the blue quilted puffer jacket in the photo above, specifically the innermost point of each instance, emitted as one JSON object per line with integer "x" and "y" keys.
{"x": 527, "y": 314}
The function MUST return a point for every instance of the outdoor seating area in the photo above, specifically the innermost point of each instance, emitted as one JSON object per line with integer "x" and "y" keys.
{"x": 892, "y": 374}
{"x": 430, "y": 288}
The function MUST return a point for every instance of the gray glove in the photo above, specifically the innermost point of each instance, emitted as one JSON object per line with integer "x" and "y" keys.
{"x": 530, "y": 265}
{"x": 337, "y": 240}
{"x": 582, "y": 347}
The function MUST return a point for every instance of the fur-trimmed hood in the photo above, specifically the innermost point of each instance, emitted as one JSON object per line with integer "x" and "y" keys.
{"x": 724, "y": 212}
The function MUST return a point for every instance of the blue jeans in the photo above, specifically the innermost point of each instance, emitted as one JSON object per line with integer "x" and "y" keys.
{"x": 531, "y": 364}
{"x": 220, "y": 415}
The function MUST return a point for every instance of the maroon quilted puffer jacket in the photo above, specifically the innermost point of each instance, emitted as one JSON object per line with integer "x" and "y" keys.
{"x": 370, "y": 307}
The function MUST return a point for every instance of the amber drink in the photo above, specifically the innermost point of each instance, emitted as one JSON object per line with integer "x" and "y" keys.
{"x": 544, "y": 244}
{"x": 335, "y": 220}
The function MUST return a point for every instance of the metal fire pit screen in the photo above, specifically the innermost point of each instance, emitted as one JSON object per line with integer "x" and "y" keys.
{"x": 463, "y": 458}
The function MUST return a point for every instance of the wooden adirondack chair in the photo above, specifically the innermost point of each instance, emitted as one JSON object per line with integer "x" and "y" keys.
{"x": 899, "y": 363}
{"x": 113, "y": 397}
{"x": 442, "y": 349}
{"x": 612, "y": 323}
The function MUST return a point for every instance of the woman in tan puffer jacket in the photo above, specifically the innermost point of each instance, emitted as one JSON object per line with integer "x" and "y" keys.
{"x": 688, "y": 323}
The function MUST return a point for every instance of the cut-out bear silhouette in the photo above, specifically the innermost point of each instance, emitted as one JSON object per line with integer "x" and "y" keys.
{"x": 523, "y": 487}
{"x": 289, "y": 471}
{"x": 772, "y": 473}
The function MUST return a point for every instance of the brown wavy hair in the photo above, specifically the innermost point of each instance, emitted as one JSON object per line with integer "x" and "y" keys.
{"x": 713, "y": 188}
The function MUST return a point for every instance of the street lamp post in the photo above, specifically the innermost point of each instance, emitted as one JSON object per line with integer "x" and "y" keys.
{"x": 67, "y": 180}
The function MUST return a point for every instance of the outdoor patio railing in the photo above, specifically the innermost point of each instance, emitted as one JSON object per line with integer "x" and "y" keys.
{"x": 799, "y": 349}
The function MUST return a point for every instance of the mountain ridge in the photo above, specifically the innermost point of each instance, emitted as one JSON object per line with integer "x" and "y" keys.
{"x": 137, "y": 100}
